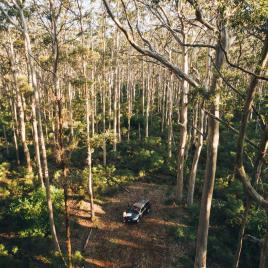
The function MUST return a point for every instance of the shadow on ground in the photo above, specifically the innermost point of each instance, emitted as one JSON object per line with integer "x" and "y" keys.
{"x": 115, "y": 244}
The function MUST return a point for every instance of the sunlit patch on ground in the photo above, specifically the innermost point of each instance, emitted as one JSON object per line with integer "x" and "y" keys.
{"x": 115, "y": 244}
{"x": 161, "y": 222}
{"x": 42, "y": 259}
{"x": 125, "y": 243}
{"x": 99, "y": 263}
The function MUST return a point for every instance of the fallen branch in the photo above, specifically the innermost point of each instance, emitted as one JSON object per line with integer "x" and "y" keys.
{"x": 124, "y": 188}
{"x": 87, "y": 240}
{"x": 253, "y": 239}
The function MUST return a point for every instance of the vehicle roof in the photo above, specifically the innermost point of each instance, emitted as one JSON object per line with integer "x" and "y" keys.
{"x": 141, "y": 203}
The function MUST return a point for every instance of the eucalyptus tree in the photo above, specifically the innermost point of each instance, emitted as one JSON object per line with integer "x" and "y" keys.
{"x": 82, "y": 16}
{"x": 240, "y": 169}
{"x": 18, "y": 109}
{"x": 147, "y": 47}
{"x": 8, "y": 98}
{"x": 57, "y": 22}
{"x": 158, "y": 14}
{"x": 21, "y": 24}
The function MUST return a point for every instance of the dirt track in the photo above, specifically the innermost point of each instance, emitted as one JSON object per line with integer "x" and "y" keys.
{"x": 114, "y": 244}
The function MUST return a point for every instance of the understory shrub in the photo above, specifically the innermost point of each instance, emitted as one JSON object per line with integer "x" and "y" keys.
{"x": 30, "y": 213}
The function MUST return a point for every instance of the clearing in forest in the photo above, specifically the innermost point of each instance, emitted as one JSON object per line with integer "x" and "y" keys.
{"x": 115, "y": 244}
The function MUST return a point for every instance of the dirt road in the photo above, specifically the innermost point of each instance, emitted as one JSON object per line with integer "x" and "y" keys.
{"x": 147, "y": 244}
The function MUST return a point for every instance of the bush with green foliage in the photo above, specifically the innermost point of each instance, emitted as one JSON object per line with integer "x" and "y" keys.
{"x": 107, "y": 179}
{"x": 147, "y": 160}
{"x": 30, "y": 213}
{"x": 184, "y": 233}
{"x": 78, "y": 259}
{"x": 226, "y": 218}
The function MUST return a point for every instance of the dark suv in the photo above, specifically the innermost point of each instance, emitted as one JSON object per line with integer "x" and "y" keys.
{"x": 136, "y": 211}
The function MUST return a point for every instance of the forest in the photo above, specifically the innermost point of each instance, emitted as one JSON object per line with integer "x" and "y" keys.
{"x": 109, "y": 103}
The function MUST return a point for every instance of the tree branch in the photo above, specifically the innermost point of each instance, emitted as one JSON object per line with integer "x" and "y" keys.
{"x": 8, "y": 17}
{"x": 152, "y": 54}
{"x": 242, "y": 69}
{"x": 262, "y": 122}
{"x": 199, "y": 15}
{"x": 241, "y": 173}
{"x": 230, "y": 127}
{"x": 253, "y": 239}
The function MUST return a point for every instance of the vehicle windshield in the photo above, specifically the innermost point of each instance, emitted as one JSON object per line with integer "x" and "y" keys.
{"x": 134, "y": 210}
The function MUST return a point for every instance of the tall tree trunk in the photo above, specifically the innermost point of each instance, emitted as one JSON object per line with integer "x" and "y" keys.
{"x": 61, "y": 154}
{"x": 198, "y": 148}
{"x": 16, "y": 145}
{"x": 119, "y": 107}
{"x": 67, "y": 219}
{"x": 170, "y": 112}
{"x": 104, "y": 130}
{"x": 35, "y": 104}
{"x": 256, "y": 176}
{"x": 148, "y": 93}
{"x": 183, "y": 127}
{"x": 163, "y": 108}
{"x": 263, "y": 147}
{"x": 36, "y": 144}
{"x": 129, "y": 113}
{"x": 12, "y": 104}
{"x": 20, "y": 107}
{"x": 203, "y": 225}
{"x": 89, "y": 104}
{"x": 115, "y": 111}
{"x": 41, "y": 134}
{"x": 199, "y": 124}
{"x": 264, "y": 250}
{"x": 93, "y": 108}
{"x": 6, "y": 140}
{"x": 211, "y": 162}
{"x": 47, "y": 184}
{"x": 71, "y": 108}
{"x": 143, "y": 87}
{"x": 89, "y": 157}
{"x": 241, "y": 234}
{"x": 104, "y": 108}
{"x": 110, "y": 98}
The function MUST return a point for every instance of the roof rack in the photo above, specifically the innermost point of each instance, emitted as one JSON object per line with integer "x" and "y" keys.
{"x": 141, "y": 203}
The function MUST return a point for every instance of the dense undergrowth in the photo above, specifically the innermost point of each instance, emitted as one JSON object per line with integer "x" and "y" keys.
{"x": 24, "y": 237}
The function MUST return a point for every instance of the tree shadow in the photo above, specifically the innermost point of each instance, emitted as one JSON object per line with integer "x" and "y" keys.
{"x": 147, "y": 244}
{"x": 25, "y": 251}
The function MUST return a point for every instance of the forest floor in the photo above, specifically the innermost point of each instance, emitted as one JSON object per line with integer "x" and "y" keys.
{"x": 115, "y": 244}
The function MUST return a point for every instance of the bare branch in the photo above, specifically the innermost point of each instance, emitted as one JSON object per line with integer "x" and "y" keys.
{"x": 128, "y": 22}
{"x": 241, "y": 68}
{"x": 8, "y": 17}
{"x": 253, "y": 239}
{"x": 241, "y": 173}
{"x": 230, "y": 127}
{"x": 262, "y": 122}
{"x": 199, "y": 15}
{"x": 152, "y": 54}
